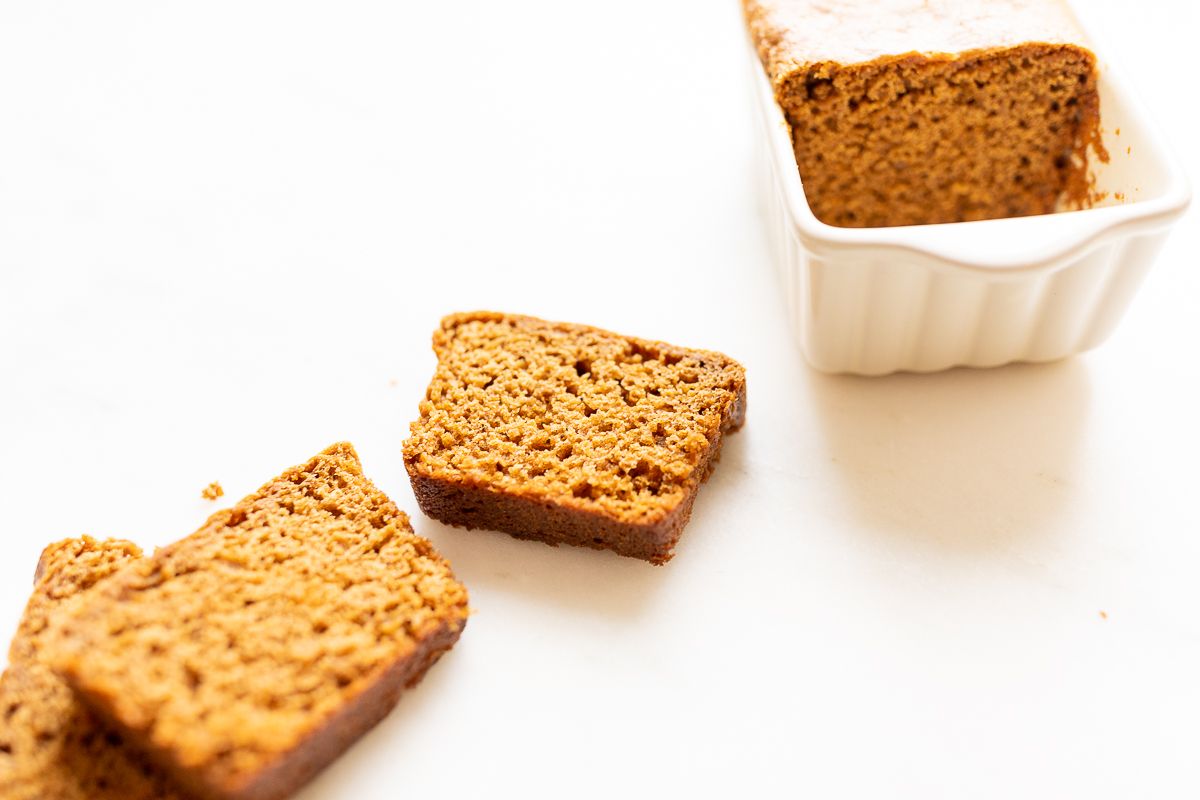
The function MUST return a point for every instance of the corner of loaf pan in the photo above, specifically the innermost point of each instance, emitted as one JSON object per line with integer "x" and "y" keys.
{"x": 924, "y": 298}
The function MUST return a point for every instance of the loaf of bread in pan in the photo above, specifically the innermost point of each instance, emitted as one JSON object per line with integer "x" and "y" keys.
{"x": 566, "y": 433}
{"x": 247, "y": 656}
{"x": 51, "y": 746}
{"x": 906, "y": 112}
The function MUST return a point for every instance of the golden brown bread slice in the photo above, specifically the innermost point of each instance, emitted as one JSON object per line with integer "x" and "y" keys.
{"x": 51, "y": 746}
{"x": 247, "y": 656}
{"x": 566, "y": 433}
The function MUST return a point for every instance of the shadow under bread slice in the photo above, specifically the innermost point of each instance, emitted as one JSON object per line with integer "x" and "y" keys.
{"x": 569, "y": 434}
{"x": 51, "y": 746}
{"x": 247, "y": 656}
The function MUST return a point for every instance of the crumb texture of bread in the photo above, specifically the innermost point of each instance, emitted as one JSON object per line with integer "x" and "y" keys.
{"x": 51, "y": 745}
{"x": 213, "y": 491}
{"x": 567, "y": 433}
{"x": 248, "y": 655}
{"x": 905, "y": 112}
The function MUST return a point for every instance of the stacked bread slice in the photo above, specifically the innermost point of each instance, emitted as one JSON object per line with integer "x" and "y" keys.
{"x": 235, "y": 663}
{"x": 51, "y": 745}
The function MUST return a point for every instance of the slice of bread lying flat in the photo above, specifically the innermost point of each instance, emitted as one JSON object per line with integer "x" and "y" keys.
{"x": 51, "y": 746}
{"x": 247, "y": 656}
{"x": 565, "y": 433}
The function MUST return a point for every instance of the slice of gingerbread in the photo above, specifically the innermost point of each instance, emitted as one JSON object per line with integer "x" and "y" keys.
{"x": 247, "y": 656}
{"x": 567, "y": 433}
{"x": 51, "y": 746}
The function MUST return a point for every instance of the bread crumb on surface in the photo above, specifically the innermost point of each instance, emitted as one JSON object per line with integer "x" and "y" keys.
{"x": 212, "y": 491}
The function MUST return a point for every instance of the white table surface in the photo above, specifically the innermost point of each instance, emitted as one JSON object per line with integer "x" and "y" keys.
{"x": 228, "y": 229}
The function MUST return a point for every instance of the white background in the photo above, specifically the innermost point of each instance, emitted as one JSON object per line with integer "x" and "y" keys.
{"x": 227, "y": 231}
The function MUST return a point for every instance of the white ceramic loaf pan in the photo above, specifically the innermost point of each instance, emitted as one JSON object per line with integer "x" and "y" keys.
{"x": 872, "y": 301}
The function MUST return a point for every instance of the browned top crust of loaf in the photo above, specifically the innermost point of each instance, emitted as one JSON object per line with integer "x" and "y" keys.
{"x": 226, "y": 652}
{"x": 908, "y": 112}
{"x": 51, "y": 746}
{"x": 571, "y": 415}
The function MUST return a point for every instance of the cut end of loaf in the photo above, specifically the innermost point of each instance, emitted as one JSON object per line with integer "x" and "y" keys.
{"x": 933, "y": 112}
{"x": 921, "y": 139}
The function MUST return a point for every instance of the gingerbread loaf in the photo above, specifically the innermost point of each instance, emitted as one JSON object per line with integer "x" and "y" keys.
{"x": 906, "y": 112}
{"x": 565, "y": 433}
{"x": 51, "y": 746}
{"x": 247, "y": 656}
